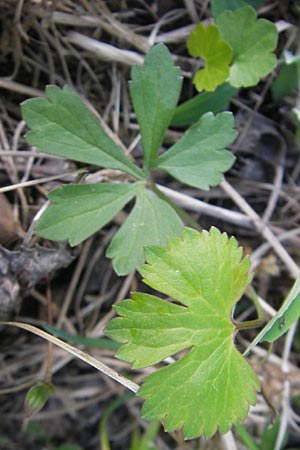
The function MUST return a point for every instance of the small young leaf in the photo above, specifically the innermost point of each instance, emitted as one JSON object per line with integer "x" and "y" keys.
{"x": 253, "y": 41}
{"x": 199, "y": 158}
{"x": 155, "y": 90}
{"x": 287, "y": 314}
{"x": 218, "y": 6}
{"x": 207, "y": 43}
{"x": 151, "y": 222}
{"x": 212, "y": 386}
{"x": 79, "y": 210}
{"x": 215, "y": 102}
{"x": 62, "y": 125}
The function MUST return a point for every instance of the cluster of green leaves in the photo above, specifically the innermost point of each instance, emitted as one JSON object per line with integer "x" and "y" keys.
{"x": 62, "y": 125}
{"x": 211, "y": 386}
{"x": 239, "y": 48}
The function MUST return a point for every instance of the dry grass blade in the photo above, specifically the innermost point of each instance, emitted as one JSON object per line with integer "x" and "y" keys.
{"x": 104, "y": 51}
{"x": 78, "y": 354}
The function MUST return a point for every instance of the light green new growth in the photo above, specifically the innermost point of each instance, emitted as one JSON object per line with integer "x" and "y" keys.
{"x": 253, "y": 42}
{"x": 211, "y": 386}
{"x": 206, "y": 42}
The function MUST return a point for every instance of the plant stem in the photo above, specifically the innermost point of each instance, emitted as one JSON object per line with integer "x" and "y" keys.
{"x": 106, "y": 416}
{"x": 251, "y": 323}
{"x": 248, "y": 324}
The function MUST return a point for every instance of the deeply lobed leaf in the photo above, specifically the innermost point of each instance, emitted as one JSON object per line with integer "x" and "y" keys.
{"x": 155, "y": 90}
{"x": 151, "y": 222}
{"x": 79, "y": 210}
{"x": 62, "y": 125}
{"x": 199, "y": 158}
{"x": 212, "y": 386}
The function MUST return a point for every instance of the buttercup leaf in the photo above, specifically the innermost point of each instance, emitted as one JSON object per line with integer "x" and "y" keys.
{"x": 62, "y": 125}
{"x": 218, "y": 6}
{"x": 199, "y": 158}
{"x": 151, "y": 222}
{"x": 79, "y": 210}
{"x": 155, "y": 90}
{"x": 253, "y": 42}
{"x": 211, "y": 386}
{"x": 207, "y": 43}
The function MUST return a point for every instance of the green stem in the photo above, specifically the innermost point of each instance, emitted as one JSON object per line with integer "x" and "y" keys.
{"x": 109, "y": 411}
{"x": 248, "y": 324}
{"x": 251, "y": 323}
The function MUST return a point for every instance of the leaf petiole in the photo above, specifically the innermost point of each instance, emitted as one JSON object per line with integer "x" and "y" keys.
{"x": 248, "y": 324}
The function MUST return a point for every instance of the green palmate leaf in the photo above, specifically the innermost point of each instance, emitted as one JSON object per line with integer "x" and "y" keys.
{"x": 215, "y": 102}
{"x": 79, "y": 210}
{"x": 199, "y": 158}
{"x": 218, "y": 6}
{"x": 207, "y": 43}
{"x": 155, "y": 90}
{"x": 151, "y": 222}
{"x": 287, "y": 314}
{"x": 62, "y": 125}
{"x": 253, "y": 41}
{"x": 212, "y": 385}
